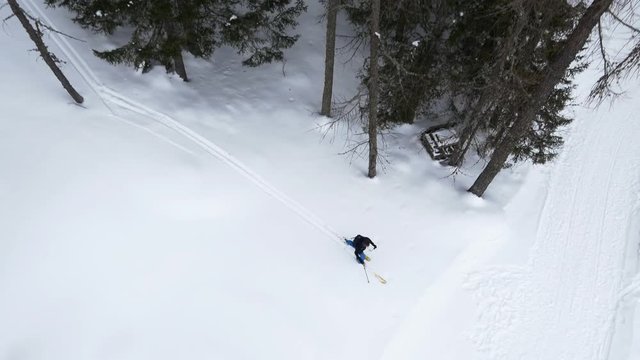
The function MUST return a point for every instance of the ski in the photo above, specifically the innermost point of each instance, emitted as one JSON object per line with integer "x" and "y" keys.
{"x": 380, "y": 278}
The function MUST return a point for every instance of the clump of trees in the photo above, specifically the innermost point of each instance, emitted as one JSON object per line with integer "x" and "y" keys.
{"x": 502, "y": 69}
{"x": 505, "y": 67}
{"x": 162, "y": 30}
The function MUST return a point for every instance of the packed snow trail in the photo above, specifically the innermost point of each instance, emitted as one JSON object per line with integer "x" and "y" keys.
{"x": 569, "y": 299}
{"x": 111, "y": 97}
{"x": 566, "y": 305}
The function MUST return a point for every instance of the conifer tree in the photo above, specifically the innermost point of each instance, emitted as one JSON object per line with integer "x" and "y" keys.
{"x": 552, "y": 74}
{"x": 410, "y": 47}
{"x": 163, "y": 29}
{"x": 484, "y": 57}
{"x": 500, "y": 50}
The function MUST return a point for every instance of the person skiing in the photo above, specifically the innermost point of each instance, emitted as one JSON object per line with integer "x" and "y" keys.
{"x": 360, "y": 243}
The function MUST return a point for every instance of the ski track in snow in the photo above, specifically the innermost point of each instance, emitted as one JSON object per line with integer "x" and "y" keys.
{"x": 560, "y": 306}
{"x": 563, "y": 305}
{"x": 110, "y": 97}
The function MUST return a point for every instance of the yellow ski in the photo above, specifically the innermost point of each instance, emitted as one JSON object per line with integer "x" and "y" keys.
{"x": 380, "y": 278}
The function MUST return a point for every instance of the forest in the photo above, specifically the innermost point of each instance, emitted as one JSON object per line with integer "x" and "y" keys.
{"x": 497, "y": 75}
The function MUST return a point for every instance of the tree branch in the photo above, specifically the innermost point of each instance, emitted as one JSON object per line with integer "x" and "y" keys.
{"x": 39, "y": 24}
{"x": 624, "y": 22}
{"x": 603, "y": 52}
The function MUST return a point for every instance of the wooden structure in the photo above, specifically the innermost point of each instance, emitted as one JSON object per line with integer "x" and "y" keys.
{"x": 440, "y": 141}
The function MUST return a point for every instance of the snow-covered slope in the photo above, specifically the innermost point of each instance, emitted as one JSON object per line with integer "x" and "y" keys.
{"x": 168, "y": 220}
{"x": 154, "y": 225}
{"x": 565, "y": 301}
{"x": 562, "y": 282}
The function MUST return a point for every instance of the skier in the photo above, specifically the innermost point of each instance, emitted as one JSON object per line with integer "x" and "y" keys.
{"x": 360, "y": 243}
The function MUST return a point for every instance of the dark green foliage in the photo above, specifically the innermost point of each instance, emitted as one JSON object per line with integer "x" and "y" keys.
{"x": 500, "y": 52}
{"x": 485, "y": 55}
{"x": 542, "y": 141}
{"x": 261, "y": 31}
{"x": 410, "y": 40}
{"x": 162, "y": 29}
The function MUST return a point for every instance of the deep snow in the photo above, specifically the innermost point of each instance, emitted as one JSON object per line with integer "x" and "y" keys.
{"x": 199, "y": 220}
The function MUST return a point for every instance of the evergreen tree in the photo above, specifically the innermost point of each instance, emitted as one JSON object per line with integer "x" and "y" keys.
{"x": 553, "y": 73}
{"x": 163, "y": 29}
{"x": 500, "y": 51}
{"x": 410, "y": 45}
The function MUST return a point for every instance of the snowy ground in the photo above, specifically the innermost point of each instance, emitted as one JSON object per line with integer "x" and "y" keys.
{"x": 170, "y": 220}
{"x": 562, "y": 281}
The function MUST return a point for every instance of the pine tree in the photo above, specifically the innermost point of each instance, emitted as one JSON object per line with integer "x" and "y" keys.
{"x": 552, "y": 75}
{"x": 484, "y": 57}
{"x": 501, "y": 49}
{"x": 163, "y": 29}
{"x": 258, "y": 28}
{"x": 410, "y": 46}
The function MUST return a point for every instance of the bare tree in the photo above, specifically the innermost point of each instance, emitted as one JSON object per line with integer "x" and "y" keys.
{"x": 373, "y": 88}
{"x": 36, "y": 36}
{"x": 553, "y": 75}
{"x": 617, "y": 70}
{"x": 329, "y": 57}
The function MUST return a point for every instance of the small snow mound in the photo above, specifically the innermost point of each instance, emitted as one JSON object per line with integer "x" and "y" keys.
{"x": 474, "y": 201}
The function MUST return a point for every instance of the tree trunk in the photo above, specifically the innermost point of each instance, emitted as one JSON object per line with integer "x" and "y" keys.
{"x": 490, "y": 95}
{"x": 466, "y": 139}
{"x": 178, "y": 62}
{"x": 329, "y": 57}
{"x": 373, "y": 88}
{"x": 471, "y": 125}
{"x": 36, "y": 37}
{"x": 543, "y": 90}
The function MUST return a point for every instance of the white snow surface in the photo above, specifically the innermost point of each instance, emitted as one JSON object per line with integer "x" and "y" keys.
{"x": 202, "y": 220}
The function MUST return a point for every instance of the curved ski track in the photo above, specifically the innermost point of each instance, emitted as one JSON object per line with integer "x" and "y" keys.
{"x": 111, "y": 97}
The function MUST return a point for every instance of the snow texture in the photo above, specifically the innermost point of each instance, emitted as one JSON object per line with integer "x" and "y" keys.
{"x": 169, "y": 220}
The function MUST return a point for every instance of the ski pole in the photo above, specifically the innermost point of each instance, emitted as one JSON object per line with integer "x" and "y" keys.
{"x": 365, "y": 273}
